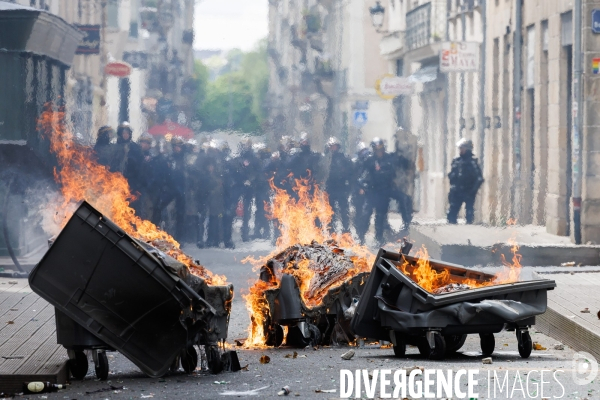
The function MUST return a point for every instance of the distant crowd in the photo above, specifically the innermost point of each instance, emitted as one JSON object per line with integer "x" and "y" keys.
{"x": 196, "y": 190}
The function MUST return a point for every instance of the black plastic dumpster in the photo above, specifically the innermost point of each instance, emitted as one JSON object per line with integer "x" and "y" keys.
{"x": 393, "y": 307}
{"x": 129, "y": 298}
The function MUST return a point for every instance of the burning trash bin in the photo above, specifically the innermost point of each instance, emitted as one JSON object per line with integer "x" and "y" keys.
{"x": 311, "y": 290}
{"x": 434, "y": 305}
{"x": 113, "y": 292}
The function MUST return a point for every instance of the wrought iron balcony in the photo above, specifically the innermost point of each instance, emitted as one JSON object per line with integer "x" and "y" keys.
{"x": 426, "y": 24}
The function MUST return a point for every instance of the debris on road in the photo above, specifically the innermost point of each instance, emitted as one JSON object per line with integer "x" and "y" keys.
{"x": 537, "y": 346}
{"x": 265, "y": 359}
{"x": 585, "y": 310}
{"x": 108, "y": 389}
{"x": 348, "y": 355}
{"x": 409, "y": 370}
{"x": 487, "y": 360}
{"x": 568, "y": 264}
{"x": 284, "y": 391}
{"x": 559, "y": 346}
{"x": 294, "y": 355}
{"x": 253, "y": 392}
{"x": 325, "y": 391}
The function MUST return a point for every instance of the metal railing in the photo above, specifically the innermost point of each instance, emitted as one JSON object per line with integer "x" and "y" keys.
{"x": 426, "y": 24}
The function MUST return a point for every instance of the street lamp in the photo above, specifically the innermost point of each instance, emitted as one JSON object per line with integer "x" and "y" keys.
{"x": 377, "y": 12}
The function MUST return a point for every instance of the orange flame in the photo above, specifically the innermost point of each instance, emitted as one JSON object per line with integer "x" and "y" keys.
{"x": 82, "y": 178}
{"x": 431, "y": 279}
{"x": 301, "y": 219}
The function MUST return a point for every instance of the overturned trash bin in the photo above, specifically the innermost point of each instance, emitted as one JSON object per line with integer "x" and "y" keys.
{"x": 130, "y": 297}
{"x": 394, "y": 307}
{"x": 312, "y": 291}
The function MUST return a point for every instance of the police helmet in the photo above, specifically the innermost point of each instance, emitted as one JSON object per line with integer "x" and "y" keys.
{"x": 465, "y": 143}
{"x": 377, "y": 144}
{"x": 333, "y": 141}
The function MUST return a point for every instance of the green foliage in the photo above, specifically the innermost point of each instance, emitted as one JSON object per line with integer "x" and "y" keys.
{"x": 201, "y": 75}
{"x": 240, "y": 88}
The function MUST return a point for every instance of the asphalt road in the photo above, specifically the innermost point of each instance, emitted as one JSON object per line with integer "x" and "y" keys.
{"x": 314, "y": 370}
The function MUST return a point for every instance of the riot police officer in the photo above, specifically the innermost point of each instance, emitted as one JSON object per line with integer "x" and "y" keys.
{"x": 377, "y": 187}
{"x": 358, "y": 178}
{"x": 338, "y": 182}
{"x": 262, "y": 191}
{"x": 245, "y": 168}
{"x": 465, "y": 179}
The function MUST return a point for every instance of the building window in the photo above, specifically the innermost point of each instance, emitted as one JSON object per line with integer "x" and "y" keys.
{"x": 566, "y": 30}
{"x": 545, "y": 35}
{"x": 399, "y": 67}
{"x": 112, "y": 14}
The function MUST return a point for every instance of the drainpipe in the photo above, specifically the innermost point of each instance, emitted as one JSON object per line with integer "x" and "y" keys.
{"x": 517, "y": 48}
{"x": 446, "y": 100}
{"x": 463, "y": 22}
{"x": 482, "y": 83}
{"x": 577, "y": 120}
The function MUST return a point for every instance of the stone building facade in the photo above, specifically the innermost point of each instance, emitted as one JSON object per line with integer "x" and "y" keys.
{"x": 525, "y": 137}
{"x": 324, "y": 63}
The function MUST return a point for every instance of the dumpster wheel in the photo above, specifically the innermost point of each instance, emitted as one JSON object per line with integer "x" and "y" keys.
{"x": 488, "y": 343}
{"x": 437, "y": 353}
{"x": 454, "y": 343}
{"x": 78, "y": 365}
{"x": 400, "y": 346}
{"x": 525, "y": 343}
{"x": 213, "y": 358}
{"x": 101, "y": 364}
{"x": 189, "y": 359}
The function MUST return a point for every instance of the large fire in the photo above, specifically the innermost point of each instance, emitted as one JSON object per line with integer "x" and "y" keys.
{"x": 432, "y": 279}
{"x": 82, "y": 178}
{"x": 303, "y": 218}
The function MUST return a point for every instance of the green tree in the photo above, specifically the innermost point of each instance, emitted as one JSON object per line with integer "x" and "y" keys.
{"x": 240, "y": 91}
{"x": 201, "y": 75}
{"x": 229, "y": 92}
{"x": 256, "y": 71}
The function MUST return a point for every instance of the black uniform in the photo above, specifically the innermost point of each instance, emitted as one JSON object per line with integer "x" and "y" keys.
{"x": 176, "y": 185}
{"x": 377, "y": 187}
{"x": 339, "y": 186}
{"x": 306, "y": 164}
{"x": 403, "y": 166}
{"x": 358, "y": 190}
{"x": 153, "y": 178}
{"x": 245, "y": 169}
{"x": 263, "y": 191}
{"x": 220, "y": 201}
{"x": 465, "y": 180}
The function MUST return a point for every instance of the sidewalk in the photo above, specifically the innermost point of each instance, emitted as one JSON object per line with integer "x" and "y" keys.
{"x": 472, "y": 245}
{"x": 564, "y": 320}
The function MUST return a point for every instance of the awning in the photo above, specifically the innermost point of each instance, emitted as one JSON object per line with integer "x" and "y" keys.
{"x": 425, "y": 74}
{"x": 30, "y": 30}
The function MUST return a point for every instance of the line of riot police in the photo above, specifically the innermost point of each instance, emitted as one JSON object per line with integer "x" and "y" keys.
{"x": 197, "y": 190}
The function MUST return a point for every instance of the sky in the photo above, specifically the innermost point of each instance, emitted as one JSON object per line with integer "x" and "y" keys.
{"x": 227, "y": 24}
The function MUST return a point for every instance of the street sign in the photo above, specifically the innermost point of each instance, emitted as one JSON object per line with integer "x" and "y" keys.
{"x": 459, "y": 57}
{"x": 596, "y": 21}
{"x": 359, "y": 118}
{"x": 90, "y": 44}
{"x": 118, "y": 68}
{"x": 395, "y": 86}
